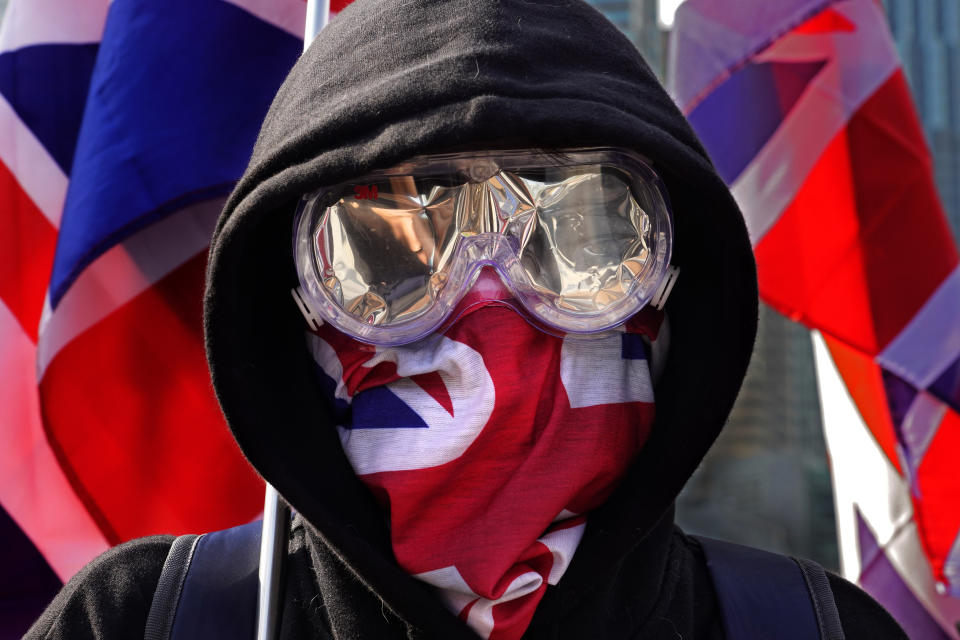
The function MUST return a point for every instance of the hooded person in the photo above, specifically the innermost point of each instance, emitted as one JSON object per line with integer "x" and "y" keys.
{"x": 489, "y": 474}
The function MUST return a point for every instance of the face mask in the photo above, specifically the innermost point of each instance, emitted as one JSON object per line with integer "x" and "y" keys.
{"x": 487, "y": 445}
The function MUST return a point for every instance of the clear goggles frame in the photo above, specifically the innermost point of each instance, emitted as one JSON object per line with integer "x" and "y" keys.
{"x": 581, "y": 238}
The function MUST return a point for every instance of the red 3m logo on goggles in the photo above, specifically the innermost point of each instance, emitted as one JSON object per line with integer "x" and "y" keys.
{"x": 365, "y": 192}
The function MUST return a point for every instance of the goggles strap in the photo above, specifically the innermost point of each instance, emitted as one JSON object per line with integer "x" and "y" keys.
{"x": 666, "y": 286}
{"x": 314, "y": 320}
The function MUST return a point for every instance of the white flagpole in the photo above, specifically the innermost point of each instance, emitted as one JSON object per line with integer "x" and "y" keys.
{"x": 276, "y": 515}
{"x": 318, "y": 12}
{"x": 273, "y": 548}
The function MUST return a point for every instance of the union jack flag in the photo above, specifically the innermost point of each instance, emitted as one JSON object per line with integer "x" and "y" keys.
{"x": 487, "y": 444}
{"x": 806, "y": 113}
{"x": 124, "y": 125}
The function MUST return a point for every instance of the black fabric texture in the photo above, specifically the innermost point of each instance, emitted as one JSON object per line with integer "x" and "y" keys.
{"x": 860, "y": 615}
{"x": 110, "y": 597}
{"x": 386, "y": 80}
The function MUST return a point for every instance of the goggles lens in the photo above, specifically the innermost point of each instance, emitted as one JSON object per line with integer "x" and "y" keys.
{"x": 581, "y": 240}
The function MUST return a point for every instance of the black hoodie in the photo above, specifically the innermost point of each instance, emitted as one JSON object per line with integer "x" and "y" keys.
{"x": 389, "y": 79}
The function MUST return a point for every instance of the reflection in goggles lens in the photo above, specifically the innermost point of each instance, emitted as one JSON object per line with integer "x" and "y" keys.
{"x": 571, "y": 241}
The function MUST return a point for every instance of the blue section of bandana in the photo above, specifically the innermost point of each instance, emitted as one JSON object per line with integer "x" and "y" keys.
{"x": 380, "y": 408}
{"x": 633, "y": 347}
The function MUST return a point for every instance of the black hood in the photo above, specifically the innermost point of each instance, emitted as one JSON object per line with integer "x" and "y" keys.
{"x": 389, "y": 79}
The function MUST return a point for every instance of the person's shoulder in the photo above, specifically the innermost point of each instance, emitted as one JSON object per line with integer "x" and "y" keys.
{"x": 860, "y": 615}
{"x": 108, "y": 598}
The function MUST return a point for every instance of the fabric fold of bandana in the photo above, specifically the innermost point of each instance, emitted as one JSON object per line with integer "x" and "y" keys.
{"x": 487, "y": 445}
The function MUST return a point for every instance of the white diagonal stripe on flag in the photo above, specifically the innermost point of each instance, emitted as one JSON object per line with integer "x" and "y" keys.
{"x": 931, "y": 341}
{"x": 33, "y": 488}
{"x": 34, "y": 168}
{"x": 289, "y": 15}
{"x": 52, "y": 21}
{"x": 773, "y": 178}
{"x": 123, "y": 272}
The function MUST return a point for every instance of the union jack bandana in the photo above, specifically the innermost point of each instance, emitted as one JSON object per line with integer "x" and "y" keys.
{"x": 487, "y": 445}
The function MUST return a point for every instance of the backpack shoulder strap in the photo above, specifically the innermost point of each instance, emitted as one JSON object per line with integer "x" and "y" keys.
{"x": 165, "y": 598}
{"x": 208, "y": 587}
{"x": 767, "y": 595}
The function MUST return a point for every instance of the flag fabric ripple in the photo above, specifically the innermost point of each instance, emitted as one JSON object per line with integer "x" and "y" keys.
{"x": 124, "y": 126}
{"x": 805, "y": 110}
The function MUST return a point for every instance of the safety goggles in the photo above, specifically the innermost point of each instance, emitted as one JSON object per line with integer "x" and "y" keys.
{"x": 581, "y": 239}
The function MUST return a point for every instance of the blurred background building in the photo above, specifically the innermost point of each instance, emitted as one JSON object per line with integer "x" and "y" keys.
{"x": 640, "y": 20}
{"x": 766, "y": 481}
